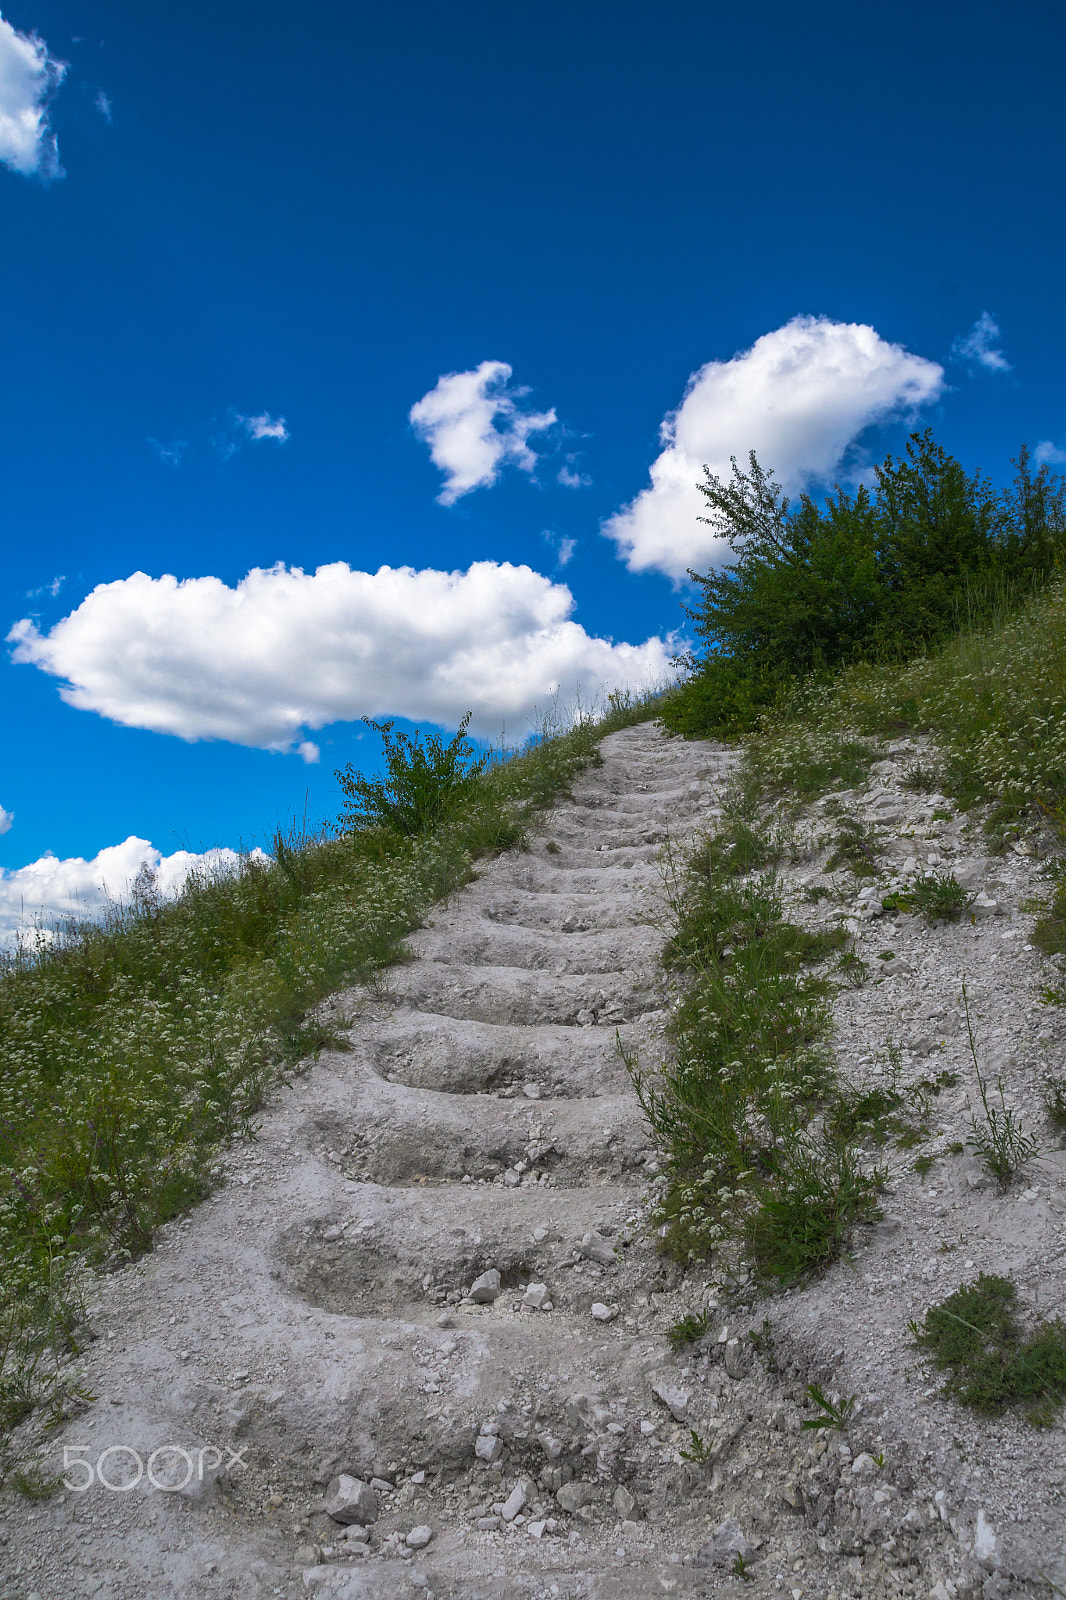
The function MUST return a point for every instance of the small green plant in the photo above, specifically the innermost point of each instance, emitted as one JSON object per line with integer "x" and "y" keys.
{"x": 735, "y": 848}
{"x": 854, "y": 969}
{"x": 1054, "y": 1096}
{"x": 689, "y": 1329}
{"x": 740, "y": 1569}
{"x": 879, "y": 1460}
{"x": 956, "y": 1147}
{"x": 763, "y": 1341}
{"x": 1005, "y": 1148}
{"x": 921, "y": 779}
{"x": 32, "y": 1482}
{"x": 975, "y": 1337}
{"x": 855, "y": 846}
{"x": 831, "y": 1413}
{"x": 939, "y": 897}
{"x": 923, "y": 1165}
{"x": 700, "y": 1451}
{"x": 552, "y": 848}
{"x": 886, "y": 955}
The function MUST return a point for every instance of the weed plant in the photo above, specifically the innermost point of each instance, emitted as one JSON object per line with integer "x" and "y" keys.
{"x": 835, "y": 1414}
{"x": 133, "y": 1047}
{"x": 921, "y": 779}
{"x": 689, "y": 1329}
{"x": 856, "y": 847}
{"x": 975, "y": 1337}
{"x": 1055, "y": 1102}
{"x": 937, "y": 896}
{"x": 1006, "y": 1149}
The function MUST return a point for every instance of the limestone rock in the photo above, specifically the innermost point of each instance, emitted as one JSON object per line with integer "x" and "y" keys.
{"x": 486, "y": 1289}
{"x": 350, "y": 1500}
{"x": 725, "y": 1544}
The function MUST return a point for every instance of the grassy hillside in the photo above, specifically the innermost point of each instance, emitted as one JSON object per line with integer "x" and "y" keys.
{"x": 133, "y": 1046}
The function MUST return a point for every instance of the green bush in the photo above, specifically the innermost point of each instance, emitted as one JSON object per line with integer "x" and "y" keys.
{"x": 426, "y": 781}
{"x": 879, "y": 575}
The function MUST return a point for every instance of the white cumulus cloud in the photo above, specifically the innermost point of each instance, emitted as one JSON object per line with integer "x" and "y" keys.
{"x": 6, "y": 819}
{"x": 799, "y": 398}
{"x": 50, "y": 889}
{"x": 980, "y": 347}
{"x": 474, "y": 426}
{"x": 1050, "y": 454}
{"x": 287, "y": 650}
{"x": 29, "y": 77}
{"x": 264, "y": 427}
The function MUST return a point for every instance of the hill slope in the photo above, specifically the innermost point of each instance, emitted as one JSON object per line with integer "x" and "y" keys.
{"x": 314, "y": 1318}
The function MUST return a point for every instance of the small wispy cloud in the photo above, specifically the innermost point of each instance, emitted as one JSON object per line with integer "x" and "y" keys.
{"x": 103, "y": 105}
{"x": 980, "y": 347}
{"x": 474, "y": 425}
{"x": 29, "y": 77}
{"x": 563, "y": 546}
{"x": 309, "y": 752}
{"x": 6, "y": 819}
{"x": 264, "y": 426}
{"x": 571, "y": 478}
{"x": 1049, "y": 454}
{"x": 172, "y": 453}
{"x": 51, "y": 589}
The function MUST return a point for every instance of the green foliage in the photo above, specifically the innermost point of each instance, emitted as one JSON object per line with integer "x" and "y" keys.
{"x": 937, "y": 896}
{"x": 792, "y": 757}
{"x": 875, "y": 576}
{"x": 923, "y": 780}
{"x": 735, "y": 848}
{"x": 975, "y": 1337}
{"x": 700, "y": 1450}
{"x": 1049, "y": 934}
{"x": 1006, "y": 1149}
{"x": 426, "y": 781}
{"x": 689, "y": 1329}
{"x": 855, "y": 846}
{"x": 831, "y": 1413}
{"x": 1055, "y": 1101}
{"x": 732, "y": 1111}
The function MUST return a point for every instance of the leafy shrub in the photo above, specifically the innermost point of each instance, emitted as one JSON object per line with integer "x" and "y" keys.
{"x": 875, "y": 576}
{"x": 426, "y": 781}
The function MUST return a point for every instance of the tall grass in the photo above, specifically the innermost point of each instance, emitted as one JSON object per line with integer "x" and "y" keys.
{"x": 994, "y": 697}
{"x": 133, "y": 1047}
{"x": 737, "y": 1109}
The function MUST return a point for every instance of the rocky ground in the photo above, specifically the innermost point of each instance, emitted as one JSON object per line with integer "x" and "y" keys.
{"x": 415, "y": 1346}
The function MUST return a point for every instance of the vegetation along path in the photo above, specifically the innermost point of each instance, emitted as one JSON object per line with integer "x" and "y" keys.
{"x": 424, "y": 1339}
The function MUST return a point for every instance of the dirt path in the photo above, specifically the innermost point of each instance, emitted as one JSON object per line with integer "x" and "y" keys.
{"x": 315, "y": 1318}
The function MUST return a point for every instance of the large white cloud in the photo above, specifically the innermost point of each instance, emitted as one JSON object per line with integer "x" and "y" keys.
{"x": 52, "y": 890}
{"x": 799, "y": 397}
{"x": 474, "y": 426}
{"x": 29, "y": 76}
{"x": 287, "y": 650}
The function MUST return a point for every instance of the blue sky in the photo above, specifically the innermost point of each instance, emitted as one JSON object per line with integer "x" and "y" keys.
{"x": 242, "y": 244}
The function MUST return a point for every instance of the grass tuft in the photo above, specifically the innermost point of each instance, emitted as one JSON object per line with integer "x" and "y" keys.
{"x": 974, "y": 1336}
